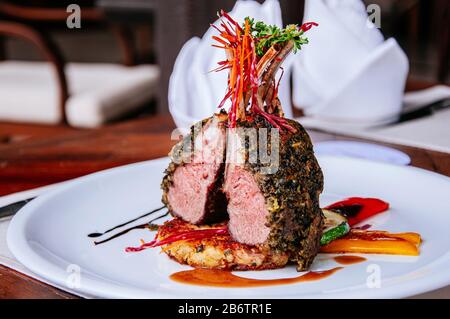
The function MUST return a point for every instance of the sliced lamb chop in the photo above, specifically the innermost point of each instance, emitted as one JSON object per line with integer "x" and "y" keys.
{"x": 192, "y": 184}
{"x": 281, "y": 209}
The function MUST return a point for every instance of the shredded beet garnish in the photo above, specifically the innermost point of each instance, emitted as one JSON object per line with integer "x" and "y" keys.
{"x": 187, "y": 235}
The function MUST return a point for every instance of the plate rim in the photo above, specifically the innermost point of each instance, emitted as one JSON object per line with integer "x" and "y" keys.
{"x": 25, "y": 254}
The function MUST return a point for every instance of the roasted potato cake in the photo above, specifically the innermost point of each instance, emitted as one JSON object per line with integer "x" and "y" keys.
{"x": 217, "y": 251}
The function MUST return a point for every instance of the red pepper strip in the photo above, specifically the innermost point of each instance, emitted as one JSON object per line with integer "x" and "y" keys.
{"x": 226, "y": 28}
{"x": 215, "y": 27}
{"x": 227, "y": 96}
{"x": 230, "y": 19}
{"x": 369, "y": 208}
{"x": 187, "y": 235}
{"x": 219, "y": 40}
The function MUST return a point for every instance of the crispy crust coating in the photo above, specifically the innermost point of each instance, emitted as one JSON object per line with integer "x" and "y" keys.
{"x": 291, "y": 194}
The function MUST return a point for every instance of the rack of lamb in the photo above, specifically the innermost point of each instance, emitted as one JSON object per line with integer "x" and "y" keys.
{"x": 244, "y": 185}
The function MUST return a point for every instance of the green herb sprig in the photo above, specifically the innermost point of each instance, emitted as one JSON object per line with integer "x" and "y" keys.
{"x": 269, "y": 35}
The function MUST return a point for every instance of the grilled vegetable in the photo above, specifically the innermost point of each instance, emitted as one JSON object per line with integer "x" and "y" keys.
{"x": 357, "y": 209}
{"x": 332, "y": 219}
{"x": 335, "y": 226}
{"x": 375, "y": 242}
{"x": 334, "y": 233}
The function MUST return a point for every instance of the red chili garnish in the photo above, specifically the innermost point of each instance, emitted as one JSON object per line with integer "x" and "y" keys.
{"x": 357, "y": 209}
{"x": 308, "y": 25}
{"x": 187, "y": 235}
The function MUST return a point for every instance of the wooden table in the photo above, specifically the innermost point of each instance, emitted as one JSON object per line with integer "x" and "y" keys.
{"x": 32, "y": 156}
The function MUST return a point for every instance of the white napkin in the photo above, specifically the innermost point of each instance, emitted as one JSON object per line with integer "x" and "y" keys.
{"x": 194, "y": 91}
{"x": 429, "y": 132}
{"x": 99, "y": 92}
{"x": 416, "y": 99}
{"x": 348, "y": 72}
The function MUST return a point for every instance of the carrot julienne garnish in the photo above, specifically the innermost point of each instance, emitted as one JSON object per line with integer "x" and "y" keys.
{"x": 245, "y": 46}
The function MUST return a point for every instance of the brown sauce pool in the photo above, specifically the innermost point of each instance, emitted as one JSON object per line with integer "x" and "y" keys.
{"x": 221, "y": 278}
{"x": 349, "y": 260}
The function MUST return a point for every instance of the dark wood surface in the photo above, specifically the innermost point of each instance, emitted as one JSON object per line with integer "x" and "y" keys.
{"x": 32, "y": 156}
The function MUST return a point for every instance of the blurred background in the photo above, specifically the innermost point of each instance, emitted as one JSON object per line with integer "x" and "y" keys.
{"x": 87, "y": 85}
{"x": 118, "y": 35}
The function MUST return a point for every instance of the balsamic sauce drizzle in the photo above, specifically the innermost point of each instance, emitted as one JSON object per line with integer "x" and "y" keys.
{"x": 142, "y": 226}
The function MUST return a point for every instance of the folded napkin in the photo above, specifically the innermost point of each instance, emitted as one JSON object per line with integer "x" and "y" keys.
{"x": 194, "y": 91}
{"x": 348, "y": 73}
{"x": 416, "y": 99}
{"x": 429, "y": 132}
{"x": 99, "y": 92}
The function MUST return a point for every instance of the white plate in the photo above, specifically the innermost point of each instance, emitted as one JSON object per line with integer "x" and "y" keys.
{"x": 368, "y": 151}
{"x": 49, "y": 236}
